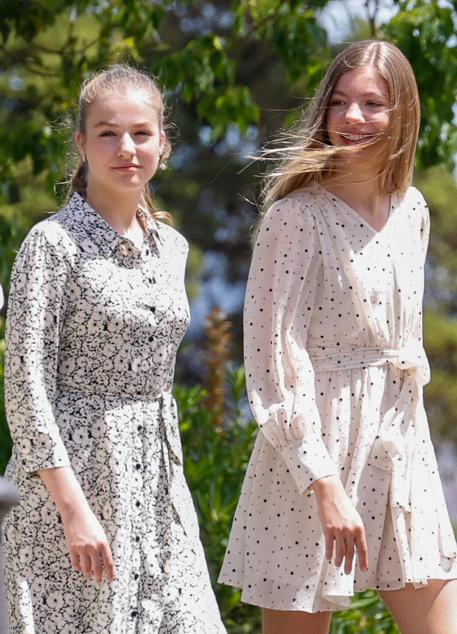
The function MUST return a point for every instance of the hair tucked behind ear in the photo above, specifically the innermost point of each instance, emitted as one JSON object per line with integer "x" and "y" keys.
{"x": 118, "y": 79}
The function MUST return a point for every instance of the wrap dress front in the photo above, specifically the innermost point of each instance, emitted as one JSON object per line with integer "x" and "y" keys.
{"x": 335, "y": 369}
{"x": 94, "y": 324}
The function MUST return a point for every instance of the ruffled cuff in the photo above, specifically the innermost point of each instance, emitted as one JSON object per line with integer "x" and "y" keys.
{"x": 308, "y": 460}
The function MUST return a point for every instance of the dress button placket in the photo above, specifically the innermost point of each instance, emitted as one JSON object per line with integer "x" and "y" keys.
{"x": 136, "y": 505}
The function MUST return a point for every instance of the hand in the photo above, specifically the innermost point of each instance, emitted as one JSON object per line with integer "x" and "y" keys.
{"x": 88, "y": 546}
{"x": 341, "y": 524}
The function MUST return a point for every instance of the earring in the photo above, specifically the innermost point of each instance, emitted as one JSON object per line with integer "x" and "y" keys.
{"x": 162, "y": 164}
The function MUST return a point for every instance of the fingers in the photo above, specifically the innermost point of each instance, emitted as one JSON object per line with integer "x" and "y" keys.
{"x": 328, "y": 545}
{"x": 340, "y": 549}
{"x": 97, "y": 566}
{"x": 346, "y": 544}
{"x": 74, "y": 559}
{"x": 362, "y": 550}
{"x": 85, "y": 564}
{"x": 108, "y": 563}
{"x": 94, "y": 562}
{"x": 350, "y": 544}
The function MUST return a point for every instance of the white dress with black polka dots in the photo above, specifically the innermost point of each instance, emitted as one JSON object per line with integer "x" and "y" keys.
{"x": 335, "y": 368}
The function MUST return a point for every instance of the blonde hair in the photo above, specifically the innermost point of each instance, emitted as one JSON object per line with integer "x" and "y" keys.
{"x": 117, "y": 79}
{"x": 310, "y": 157}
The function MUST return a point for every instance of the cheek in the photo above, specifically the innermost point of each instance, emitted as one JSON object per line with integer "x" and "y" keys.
{"x": 385, "y": 122}
{"x": 151, "y": 153}
{"x": 98, "y": 152}
{"x": 332, "y": 122}
{"x": 330, "y": 126}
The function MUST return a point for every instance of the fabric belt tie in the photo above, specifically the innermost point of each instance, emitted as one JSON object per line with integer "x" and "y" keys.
{"x": 170, "y": 433}
{"x": 166, "y": 414}
{"x": 401, "y": 429}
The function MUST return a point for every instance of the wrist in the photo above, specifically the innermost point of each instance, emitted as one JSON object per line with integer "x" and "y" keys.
{"x": 65, "y": 491}
{"x": 328, "y": 485}
{"x": 69, "y": 509}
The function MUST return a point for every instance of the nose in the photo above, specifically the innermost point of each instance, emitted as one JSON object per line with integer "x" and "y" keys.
{"x": 354, "y": 112}
{"x": 126, "y": 146}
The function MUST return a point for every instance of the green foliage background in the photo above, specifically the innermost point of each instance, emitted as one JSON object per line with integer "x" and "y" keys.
{"x": 235, "y": 72}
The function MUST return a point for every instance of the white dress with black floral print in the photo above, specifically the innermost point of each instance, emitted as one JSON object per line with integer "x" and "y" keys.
{"x": 94, "y": 324}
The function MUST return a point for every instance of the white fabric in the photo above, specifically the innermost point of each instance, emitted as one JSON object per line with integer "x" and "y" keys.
{"x": 335, "y": 368}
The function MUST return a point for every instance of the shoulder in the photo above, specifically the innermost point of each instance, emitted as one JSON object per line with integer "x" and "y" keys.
{"x": 52, "y": 234}
{"x": 414, "y": 199}
{"x": 296, "y": 211}
{"x": 417, "y": 207}
{"x": 171, "y": 238}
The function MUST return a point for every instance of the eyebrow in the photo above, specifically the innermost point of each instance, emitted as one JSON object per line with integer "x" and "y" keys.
{"x": 110, "y": 124}
{"x": 365, "y": 94}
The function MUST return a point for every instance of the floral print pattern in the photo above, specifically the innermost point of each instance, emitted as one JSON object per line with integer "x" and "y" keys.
{"x": 94, "y": 324}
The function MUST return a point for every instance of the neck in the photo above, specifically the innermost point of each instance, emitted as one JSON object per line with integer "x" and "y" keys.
{"x": 357, "y": 191}
{"x": 118, "y": 209}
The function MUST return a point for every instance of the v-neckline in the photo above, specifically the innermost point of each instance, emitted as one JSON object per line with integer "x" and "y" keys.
{"x": 393, "y": 205}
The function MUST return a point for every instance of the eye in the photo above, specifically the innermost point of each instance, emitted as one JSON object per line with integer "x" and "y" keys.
{"x": 336, "y": 102}
{"x": 375, "y": 104}
{"x": 144, "y": 132}
{"x": 107, "y": 133}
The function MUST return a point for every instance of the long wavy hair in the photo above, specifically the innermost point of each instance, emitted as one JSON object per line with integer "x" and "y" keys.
{"x": 306, "y": 155}
{"x": 117, "y": 79}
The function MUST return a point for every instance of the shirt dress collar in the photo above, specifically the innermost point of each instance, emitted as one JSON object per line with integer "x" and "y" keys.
{"x": 103, "y": 234}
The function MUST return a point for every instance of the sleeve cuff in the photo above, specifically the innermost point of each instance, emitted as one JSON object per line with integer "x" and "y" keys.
{"x": 308, "y": 460}
{"x": 45, "y": 455}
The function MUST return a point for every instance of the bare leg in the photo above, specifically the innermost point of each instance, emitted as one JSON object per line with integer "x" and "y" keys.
{"x": 282, "y": 622}
{"x": 428, "y": 610}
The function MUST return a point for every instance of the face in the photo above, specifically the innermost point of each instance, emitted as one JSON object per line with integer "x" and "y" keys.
{"x": 122, "y": 142}
{"x": 359, "y": 108}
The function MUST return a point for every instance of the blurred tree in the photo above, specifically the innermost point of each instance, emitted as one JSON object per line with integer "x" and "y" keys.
{"x": 440, "y": 325}
{"x": 235, "y": 72}
{"x": 230, "y": 68}
{"x": 425, "y": 31}
{"x": 217, "y": 355}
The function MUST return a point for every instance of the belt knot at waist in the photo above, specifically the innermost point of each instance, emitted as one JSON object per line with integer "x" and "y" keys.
{"x": 410, "y": 356}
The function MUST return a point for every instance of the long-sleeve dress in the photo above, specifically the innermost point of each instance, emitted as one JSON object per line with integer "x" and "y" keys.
{"x": 94, "y": 324}
{"x": 335, "y": 368}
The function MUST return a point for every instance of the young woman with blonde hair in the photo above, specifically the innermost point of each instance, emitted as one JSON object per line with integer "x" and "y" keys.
{"x": 342, "y": 492}
{"x": 105, "y": 539}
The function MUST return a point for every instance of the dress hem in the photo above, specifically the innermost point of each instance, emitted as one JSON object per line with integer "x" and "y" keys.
{"x": 337, "y": 607}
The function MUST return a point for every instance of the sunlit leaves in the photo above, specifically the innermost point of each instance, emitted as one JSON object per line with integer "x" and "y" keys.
{"x": 425, "y": 32}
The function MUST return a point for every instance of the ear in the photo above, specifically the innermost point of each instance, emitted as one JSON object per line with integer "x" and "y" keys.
{"x": 163, "y": 138}
{"x": 80, "y": 143}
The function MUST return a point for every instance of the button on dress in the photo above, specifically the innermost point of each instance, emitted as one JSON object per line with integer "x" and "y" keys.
{"x": 94, "y": 324}
{"x": 335, "y": 369}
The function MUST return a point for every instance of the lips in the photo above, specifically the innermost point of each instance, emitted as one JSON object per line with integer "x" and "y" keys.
{"x": 355, "y": 138}
{"x": 127, "y": 166}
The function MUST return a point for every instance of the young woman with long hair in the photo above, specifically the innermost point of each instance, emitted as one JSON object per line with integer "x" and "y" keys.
{"x": 105, "y": 539}
{"x": 342, "y": 492}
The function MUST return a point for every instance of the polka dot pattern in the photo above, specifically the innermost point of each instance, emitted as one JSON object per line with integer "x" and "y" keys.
{"x": 335, "y": 368}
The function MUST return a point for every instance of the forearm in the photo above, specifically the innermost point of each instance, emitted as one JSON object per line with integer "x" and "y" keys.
{"x": 64, "y": 489}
